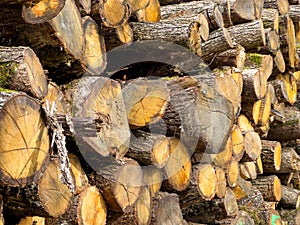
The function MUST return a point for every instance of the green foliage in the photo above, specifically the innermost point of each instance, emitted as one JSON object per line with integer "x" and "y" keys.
{"x": 7, "y": 71}
{"x": 254, "y": 58}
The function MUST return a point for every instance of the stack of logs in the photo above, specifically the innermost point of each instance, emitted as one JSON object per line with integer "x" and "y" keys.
{"x": 220, "y": 146}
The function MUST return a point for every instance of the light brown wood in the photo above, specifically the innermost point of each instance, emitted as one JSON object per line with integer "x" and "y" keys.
{"x": 221, "y": 182}
{"x": 233, "y": 173}
{"x": 237, "y": 142}
{"x": 279, "y": 61}
{"x": 93, "y": 58}
{"x": 24, "y": 139}
{"x": 244, "y": 124}
{"x": 41, "y": 11}
{"x": 207, "y": 181}
{"x": 291, "y": 39}
{"x": 114, "y": 13}
{"x": 289, "y": 161}
{"x": 145, "y": 101}
{"x": 125, "y": 33}
{"x": 253, "y": 146}
{"x": 69, "y": 30}
{"x": 87, "y": 5}
{"x": 21, "y": 70}
{"x": 179, "y": 166}
{"x": 150, "y": 13}
{"x": 248, "y": 170}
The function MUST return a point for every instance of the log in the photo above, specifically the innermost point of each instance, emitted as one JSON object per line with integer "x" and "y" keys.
{"x": 233, "y": 173}
{"x": 166, "y": 209}
{"x": 114, "y": 13}
{"x": 271, "y": 155}
{"x": 290, "y": 198}
{"x": 282, "y": 5}
{"x": 237, "y": 143}
{"x": 149, "y": 148}
{"x": 49, "y": 197}
{"x": 178, "y": 167}
{"x": 289, "y": 161}
{"x": 212, "y": 211}
{"x": 29, "y": 220}
{"x": 23, "y": 137}
{"x": 269, "y": 186}
{"x": 151, "y": 13}
{"x": 242, "y": 218}
{"x": 292, "y": 216}
{"x": 21, "y": 70}
{"x": 289, "y": 129}
{"x": 253, "y": 146}
{"x": 86, "y": 208}
{"x": 119, "y": 181}
{"x": 41, "y": 11}
{"x": 125, "y": 33}
{"x": 100, "y": 100}
{"x": 178, "y": 31}
{"x": 248, "y": 170}
{"x": 93, "y": 58}
{"x": 271, "y": 216}
{"x": 69, "y": 29}
{"x": 141, "y": 213}
{"x": 244, "y": 124}
{"x": 221, "y": 182}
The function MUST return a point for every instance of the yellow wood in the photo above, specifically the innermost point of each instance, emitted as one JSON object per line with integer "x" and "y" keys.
{"x": 151, "y": 13}
{"x": 207, "y": 181}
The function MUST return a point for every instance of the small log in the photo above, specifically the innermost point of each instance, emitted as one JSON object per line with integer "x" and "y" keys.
{"x": 279, "y": 61}
{"x": 21, "y": 70}
{"x": 237, "y": 143}
{"x": 233, "y": 173}
{"x": 289, "y": 129}
{"x": 233, "y": 57}
{"x": 86, "y": 208}
{"x": 69, "y": 29}
{"x": 248, "y": 170}
{"x": 207, "y": 181}
{"x": 255, "y": 85}
{"x": 221, "y": 182}
{"x": 271, "y": 155}
{"x": 151, "y": 13}
{"x": 178, "y": 167}
{"x": 291, "y": 40}
{"x": 41, "y": 11}
{"x": 23, "y": 137}
{"x": 253, "y": 201}
{"x": 242, "y": 218}
{"x": 259, "y": 166}
{"x": 49, "y": 197}
{"x": 285, "y": 88}
{"x": 119, "y": 180}
{"x": 290, "y": 198}
{"x": 269, "y": 186}
{"x": 212, "y": 211}
{"x": 149, "y": 149}
{"x": 125, "y": 33}
{"x": 93, "y": 58}
{"x": 253, "y": 146}
{"x": 244, "y": 124}
{"x": 114, "y": 13}
{"x": 140, "y": 214}
{"x": 242, "y": 189}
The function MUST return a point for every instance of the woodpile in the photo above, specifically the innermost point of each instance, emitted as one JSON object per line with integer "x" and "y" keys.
{"x": 205, "y": 129}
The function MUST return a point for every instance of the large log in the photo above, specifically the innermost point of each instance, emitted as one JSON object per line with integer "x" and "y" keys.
{"x": 23, "y": 139}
